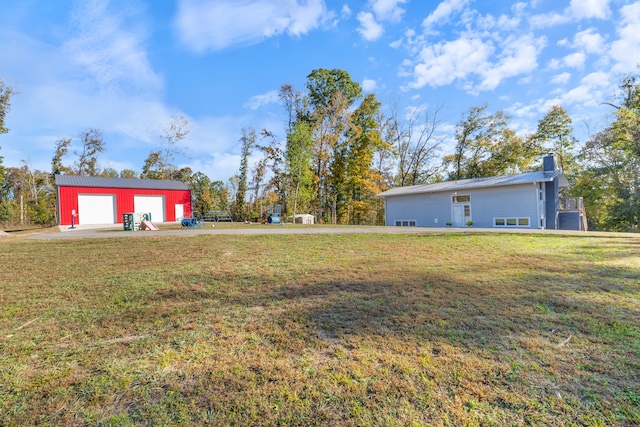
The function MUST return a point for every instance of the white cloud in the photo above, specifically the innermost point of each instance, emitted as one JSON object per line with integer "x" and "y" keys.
{"x": 259, "y": 100}
{"x": 562, "y": 78}
{"x": 626, "y": 50}
{"x": 369, "y": 85}
{"x": 575, "y": 60}
{"x": 387, "y": 10}
{"x": 519, "y": 56}
{"x": 219, "y": 166}
{"x": 589, "y": 41}
{"x": 590, "y": 92}
{"x": 501, "y": 23}
{"x": 346, "y": 12}
{"x": 396, "y": 44}
{"x": 554, "y": 64}
{"x": 111, "y": 50}
{"x": 471, "y": 56}
{"x": 596, "y": 79}
{"x": 62, "y": 108}
{"x": 579, "y": 95}
{"x": 369, "y": 28}
{"x": 519, "y": 8}
{"x": 577, "y": 10}
{"x": 100, "y": 77}
{"x": 442, "y": 63}
{"x": 216, "y": 134}
{"x": 548, "y": 20}
{"x": 65, "y": 98}
{"x": 532, "y": 109}
{"x": 378, "y": 11}
{"x": 442, "y": 13}
{"x": 585, "y": 9}
{"x": 204, "y": 25}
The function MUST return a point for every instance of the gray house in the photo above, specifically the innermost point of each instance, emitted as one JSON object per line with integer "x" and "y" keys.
{"x": 527, "y": 200}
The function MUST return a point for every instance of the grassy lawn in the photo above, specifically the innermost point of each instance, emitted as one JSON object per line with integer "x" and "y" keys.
{"x": 405, "y": 330}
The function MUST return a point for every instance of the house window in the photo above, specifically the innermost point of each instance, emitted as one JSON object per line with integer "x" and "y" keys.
{"x": 406, "y": 223}
{"x": 461, "y": 198}
{"x": 511, "y": 222}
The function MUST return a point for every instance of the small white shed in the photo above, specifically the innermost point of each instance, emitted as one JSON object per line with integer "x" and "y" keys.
{"x": 304, "y": 219}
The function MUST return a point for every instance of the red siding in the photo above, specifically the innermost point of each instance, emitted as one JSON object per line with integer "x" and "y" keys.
{"x": 68, "y": 201}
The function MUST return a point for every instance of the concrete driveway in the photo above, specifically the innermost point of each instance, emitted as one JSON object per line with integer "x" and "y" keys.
{"x": 113, "y": 231}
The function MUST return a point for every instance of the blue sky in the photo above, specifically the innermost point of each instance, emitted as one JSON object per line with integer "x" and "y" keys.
{"x": 127, "y": 66}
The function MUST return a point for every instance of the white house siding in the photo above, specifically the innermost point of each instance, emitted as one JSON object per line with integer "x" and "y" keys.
{"x": 435, "y": 209}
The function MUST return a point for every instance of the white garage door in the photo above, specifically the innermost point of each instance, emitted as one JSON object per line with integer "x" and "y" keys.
{"x": 96, "y": 209}
{"x": 153, "y": 204}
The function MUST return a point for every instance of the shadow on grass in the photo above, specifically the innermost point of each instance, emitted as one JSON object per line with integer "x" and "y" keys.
{"x": 448, "y": 332}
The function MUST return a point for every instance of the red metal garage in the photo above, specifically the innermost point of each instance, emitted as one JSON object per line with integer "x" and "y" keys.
{"x": 96, "y": 200}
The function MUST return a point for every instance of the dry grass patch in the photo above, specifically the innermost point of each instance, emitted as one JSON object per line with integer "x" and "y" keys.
{"x": 453, "y": 329}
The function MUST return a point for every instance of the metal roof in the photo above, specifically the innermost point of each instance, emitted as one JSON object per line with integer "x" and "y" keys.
{"x": 466, "y": 184}
{"x": 133, "y": 183}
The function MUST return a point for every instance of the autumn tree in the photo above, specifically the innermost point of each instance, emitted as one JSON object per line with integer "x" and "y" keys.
{"x": 384, "y": 165}
{"x": 91, "y": 143}
{"x": 289, "y": 98}
{"x": 257, "y": 187}
{"x": 87, "y": 156}
{"x": 416, "y": 141}
{"x": 361, "y": 183}
{"x": 5, "y": 104}
{"x": 248, "y": 143}
{"x": 555, "y": 134}
{"x": 276, "y": 187}
{"x": 610, "y": 183}
{"x": 109, "y": 172}
{"x": 30, "y": 196}
{"x": 323, "y": 85}
{"x": 331, "y": 94}
{"x": 153, "y": 168}
{"x": 128, "y": 173}
{"x": 161, "y": 163}
{"x": 298, "y": 157}
{"x": 296, "y": 174}
{"x": 201, "y": 194}
{"x": 207, "y": 195}
{"x": 330, "y": 123}
{"x": 61, "y": 149}
{"x": 5, "y": 207}
{"x": 486, "y": 146}
{"x": 331, "y": 145}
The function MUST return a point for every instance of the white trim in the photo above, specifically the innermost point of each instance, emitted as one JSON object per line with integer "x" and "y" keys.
{"x": 465, "y": 218}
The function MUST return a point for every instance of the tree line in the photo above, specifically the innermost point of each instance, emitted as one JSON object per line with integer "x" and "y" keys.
{"x": 340, "y": 149}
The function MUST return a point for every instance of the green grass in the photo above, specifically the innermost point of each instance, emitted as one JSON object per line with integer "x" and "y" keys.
{"x": 405, "y": 330}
